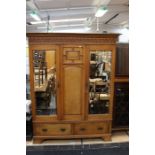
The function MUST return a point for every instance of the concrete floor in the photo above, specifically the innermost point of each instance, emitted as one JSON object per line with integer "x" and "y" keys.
{"x": 95, "y": 146}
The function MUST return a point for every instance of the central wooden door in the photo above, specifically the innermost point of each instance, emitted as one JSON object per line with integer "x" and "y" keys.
{"x": 73, "y": 82}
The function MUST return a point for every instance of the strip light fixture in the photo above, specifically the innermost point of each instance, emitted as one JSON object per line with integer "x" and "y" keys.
{"x": 38, "y": 22}
{"x": 75, "y": 30}
{"x": 64, "y": 26}
{"x": 71, "y": 25}
{"x": 68, "y": 20}
{"x": 35, "y": 16}
{"x": 59, "y": 21}
{"x": 101, "y": 11}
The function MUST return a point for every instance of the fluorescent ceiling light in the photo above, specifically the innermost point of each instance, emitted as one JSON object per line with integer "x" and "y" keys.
{"x": 35, "y": 16}
{"x": 101, "y": 11}
{"x": 38, "y": 22}
{"x": 68, "y": 20}
{"x": 71, "y": 25}
{"x": 66, "y": 26}
{"x": 59, "y": 20}
{"x": 74, "y": 30}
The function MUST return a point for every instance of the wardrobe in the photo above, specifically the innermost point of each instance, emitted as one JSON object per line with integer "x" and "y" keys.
{"x": 72, "y": 85}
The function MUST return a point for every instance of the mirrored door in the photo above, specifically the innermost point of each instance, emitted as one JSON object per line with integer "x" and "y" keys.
{"x": 44, "y": 69}
{"x": 99, "y": 81}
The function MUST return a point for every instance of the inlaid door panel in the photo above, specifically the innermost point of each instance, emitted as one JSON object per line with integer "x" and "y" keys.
{"x": 72, "y": 89}
{"x": 73, "y": 82}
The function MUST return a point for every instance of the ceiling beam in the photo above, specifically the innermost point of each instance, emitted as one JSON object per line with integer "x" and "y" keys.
{"x": 112, "y": 18}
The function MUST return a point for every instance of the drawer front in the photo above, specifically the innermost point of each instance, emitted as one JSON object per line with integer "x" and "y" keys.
{"x": 52, "y": 129}
{"x": 91, "y": 128}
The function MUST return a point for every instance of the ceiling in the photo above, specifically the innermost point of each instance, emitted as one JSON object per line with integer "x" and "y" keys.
{"x": 82, "y": 13}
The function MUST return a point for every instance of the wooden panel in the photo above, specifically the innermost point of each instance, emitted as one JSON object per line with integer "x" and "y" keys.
{"x": 73, "y": 117}
{"x": 101, "y": 117}
{"x": 72, "y": 55}
{"x": 72, "y": 89}
{"x": 122, "y": 60}
{"x": 91, "y": 128}
{"x": 52, "y": 129}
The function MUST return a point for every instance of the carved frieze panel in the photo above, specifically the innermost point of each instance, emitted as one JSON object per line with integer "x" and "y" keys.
{"x": 70, "y": 40}
{"x": 72, "y": 55}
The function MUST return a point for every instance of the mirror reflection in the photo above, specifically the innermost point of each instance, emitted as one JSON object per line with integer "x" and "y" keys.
{"x": 44, "y": 67}
{"x": 99, "y": 82}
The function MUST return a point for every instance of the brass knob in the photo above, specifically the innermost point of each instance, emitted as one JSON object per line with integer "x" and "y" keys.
{"x": 44, "y": 130}
{"x": 82, "y": 129}
{"x": 99, "y": 128}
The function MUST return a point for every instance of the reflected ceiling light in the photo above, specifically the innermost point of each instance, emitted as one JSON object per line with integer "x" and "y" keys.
{"x": 35, "y": 16}
{"x": 68, "y": 20}
{"x": 101, "y": 11}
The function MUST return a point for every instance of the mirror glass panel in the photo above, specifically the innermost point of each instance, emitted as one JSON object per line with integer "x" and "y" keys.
{"x": 44, "y": 67}
{"x": 99, "y": 82}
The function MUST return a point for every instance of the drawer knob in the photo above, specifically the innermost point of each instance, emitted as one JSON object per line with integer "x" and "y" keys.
{"x": 44, "y": 130}
{"x": 99, "y": 128}
{"x": 82, "y": 129}
{"x": 62, "y": 129}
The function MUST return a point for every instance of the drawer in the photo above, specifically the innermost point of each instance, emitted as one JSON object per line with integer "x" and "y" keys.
{"x": 91, "y": 128}
{"x": 52, "y": 129}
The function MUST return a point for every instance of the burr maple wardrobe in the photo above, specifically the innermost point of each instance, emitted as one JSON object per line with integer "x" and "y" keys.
{"x": 72, "y": 85}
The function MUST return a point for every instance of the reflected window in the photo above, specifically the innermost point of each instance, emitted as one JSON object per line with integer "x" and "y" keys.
{"x": 44, "y": 66}
{"x": 99, "y": 82}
